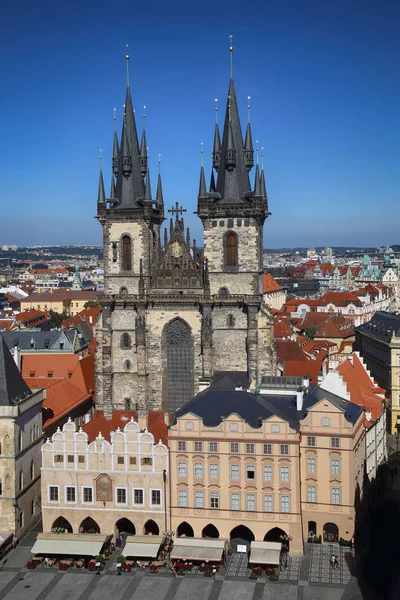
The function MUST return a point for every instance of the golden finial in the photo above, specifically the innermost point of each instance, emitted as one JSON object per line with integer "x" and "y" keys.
{"x": 231, "y": 53}
{"x": 248, "y": 109}
{"x": 124, "y": 106}
{"x": 159, "y": 163}
{"x": 216, "y": 110}
{"x": 101, "y": 159}
{"x": 127, "y": 65}
{"x": 115, "y": 119}
{"x": 201, "y": 154}
{"x": 257, "y": 152}
{"x": 144, "y": 115}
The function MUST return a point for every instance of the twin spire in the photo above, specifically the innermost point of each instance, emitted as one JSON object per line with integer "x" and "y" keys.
{"x": 130, "y": 178}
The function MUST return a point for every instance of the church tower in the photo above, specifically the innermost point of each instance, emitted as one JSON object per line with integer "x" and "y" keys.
{"x": 173, "y": 317}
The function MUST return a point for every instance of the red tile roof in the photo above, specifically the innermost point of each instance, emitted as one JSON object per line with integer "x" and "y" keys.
{"x": 156, "y": 424}
{"x": 8, "y": 325}
{"x": 90, "y": 315}
{"x": 339, "y": 299}
{"x": 61, "y": 365}
{"x": 362, "y": 387}
{"x": 282, "y": 329}
{"x": 61, "y": 399}
{"x": 312, "y": 368}
{"x": 289, "y": 350}
{"x": 270, "y": 284}
{"x": 36, "y": 383}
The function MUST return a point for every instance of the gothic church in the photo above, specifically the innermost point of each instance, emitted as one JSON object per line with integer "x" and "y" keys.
{"x": 173, "y": 317}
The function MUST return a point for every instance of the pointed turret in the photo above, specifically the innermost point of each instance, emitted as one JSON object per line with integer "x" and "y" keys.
{"x": 115, "y": 157}
{"x": 112, "y": 190}
{"x": 143, "y": 154}
{"x": 257, "y": 182}
{"x": 101, "y": 197}
{"x": 126, "y": 159}
{"x": 159, "y": 195}
{"x": 212, "y": 181}
{"x": 230, "y": 153}
{"x": 202, "y": 186}
{"x": 263, "y": 186}
{"x": 216, "y": 155}
{"x": 248, "y": 149}
{"x": 147, "y": 196}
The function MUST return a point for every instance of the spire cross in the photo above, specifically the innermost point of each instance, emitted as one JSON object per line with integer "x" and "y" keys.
{"x": 231, "y": 54}
{"x": 175, "y": 211}
{"x": 127, "y": 65}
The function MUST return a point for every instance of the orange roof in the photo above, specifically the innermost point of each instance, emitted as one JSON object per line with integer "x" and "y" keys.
{"x": 339, "y": 299}
{"x": 282, "y": 328}
{"x": 326, "y": 268}
{"x": 7, "y": 325}
{"x": 362, "y": 387}
{"x": 289, "y": 350}
{"x": 49, "y": 271}
{"x": 61, "y": 399}
{"x": 36, "y": 383}
{"x": 60, "y": 365}
{"x": 98, "y": 423}
{"x": 32, "y": 315}
{"x": 83, "y": 374}
{"x": 156, "y": 424}
{"x": 62, "y": 295}
{"x": 270, "y": 284}
{"x": 89, "y": 315}
{"x": 312, "y": 368}
{"x": 297, "y": 302}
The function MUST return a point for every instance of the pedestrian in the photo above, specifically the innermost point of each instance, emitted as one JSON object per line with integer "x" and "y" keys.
{"x": 336, "y": 562}
{"x": 333, "y": 561}
{"x": 352, "y": 543}
{"x": 214, "y": 572}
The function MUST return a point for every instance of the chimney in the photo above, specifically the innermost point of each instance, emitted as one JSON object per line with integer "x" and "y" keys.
{"x": 91, "y": 319}
{"x": 166, "y": 418}
{"x": 142, "y": 418}
{"x": 306, "y": 381}
{"x": 86, "y": 418}
{"x": 299, "y": 399}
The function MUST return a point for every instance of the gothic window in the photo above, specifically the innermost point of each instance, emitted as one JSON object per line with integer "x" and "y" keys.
{"x": 126, "y": 243}
{"x": 123, "y": 292}
{"x": 125, "y": 340}
{"x": 114, "y": 251}
{"x": 231, "y": 321}
{"x": 231, "y": 249}
{"x": 223, "y": 291}
{"x": 127, "y": 365}
{"x": 178, "y": 369}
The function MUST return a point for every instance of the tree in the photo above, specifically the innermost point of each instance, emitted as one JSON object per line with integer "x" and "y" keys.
{"x": 90, "y": 304}
{"x": 310, "y": 331}
{"x": 57, "y": 318}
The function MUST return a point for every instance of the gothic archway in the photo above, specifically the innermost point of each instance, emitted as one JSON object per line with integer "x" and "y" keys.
{"x": 331, "y": 532}
{"x": 210, "y": 531}
{"x": 125, "y": 526}
{"x": 243, "y": 533}
{"x": 178, "y": 365}
{"x": 184, "y": 529}
{"x": 62, "y": 524}
{"x": 277, "y": 535}
{"x": 89, "y": 525}
{"x": 151, "y": 528}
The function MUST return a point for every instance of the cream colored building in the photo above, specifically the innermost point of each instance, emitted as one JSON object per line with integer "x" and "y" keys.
{"x": 105, "y": 486}
{"x": 277, "y": 464}
{"x": 20, "y": 442}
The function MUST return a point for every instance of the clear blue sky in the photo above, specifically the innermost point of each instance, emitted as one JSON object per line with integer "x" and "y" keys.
{"x": 324, "y": 82}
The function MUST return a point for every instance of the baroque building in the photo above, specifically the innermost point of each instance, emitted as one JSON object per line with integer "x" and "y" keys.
{"x": 171, "y": 316}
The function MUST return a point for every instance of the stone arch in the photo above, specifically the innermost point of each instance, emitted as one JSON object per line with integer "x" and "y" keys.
{"x": 231, "y": 244}
{"x": 276, "y": 534}
{"x": 125, "y": 526}
{"x": 184, "y": 530}
{"x": 7, "y": 444}
{"x": 123, "y": 292}
{"x": 151, "y": 528}
{"x": 210, "y": 531}
{"x": 242, "y": 532}
{"x": 62, "y": 523}
{"x": 312, "y": 528}
{"x": 126, "y": 253}
{"x": 331, "y": 532}
{"x": 223, "y": 291}
{"x": 89, "y": 525}
{"x": 178, "y": 364}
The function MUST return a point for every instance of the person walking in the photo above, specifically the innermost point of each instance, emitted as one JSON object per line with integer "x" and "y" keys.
{"x": 214, "y": 572}
{"x": 336, "y": 562}
{"x": 333, "y": 561}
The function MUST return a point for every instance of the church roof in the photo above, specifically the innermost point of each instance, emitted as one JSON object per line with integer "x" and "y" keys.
{"x": 13, "y": 388}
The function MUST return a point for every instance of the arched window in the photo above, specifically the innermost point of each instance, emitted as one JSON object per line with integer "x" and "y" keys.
{"x": 178, "y": 366}
{"x": 126, "y": 253}
{"x": 231, "y": 247}
{"x": 230, "y": 321}
{"x": 223, "y": 291}
{"x": 21, "y": 481}
{"x": 127, "y": 365}
{"x": 125, "y": 340}
{"x": 123, "y": 292}
{"x": 32, "y": 470}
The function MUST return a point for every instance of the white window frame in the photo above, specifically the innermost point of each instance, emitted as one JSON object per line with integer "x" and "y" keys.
{"x": 268, "y": 472}
{"x": 182, "y": 494}
{"x": 312, "y": 461}
{"x": 234, "y": 426}
{"x": 214, "y": 496}
{"x": 268, "y": 499}
{"x": 234, "y": 448}
{"x": 181, "y": 446}
{"x": 238, "y": 472}
{"x": 214, "y": 471}
{"x": 281, "y": 503}
{"x": 275, "y": 428}
{"x": 182, "y": 466}
{"x": 336, "y": 470}
{"x": 87, "y": 487}
{"x": 286, "y": 446}
{"x": 199, "y": 447}
{"x": 198, "y": 496}
{"x": 250, "y": 468}
{"x": 333, "y": 494}
{"x": 267, "y": 447}
{"x": 250, "y": 448}
{"x": 235, "y": 496}
{"x": 189, "y": 426}
{"x": 284, "y": 474}
{"x": 325, "y": 422}
{"x": 201, "y": 468}
{"x": 250, "y": 501}
{"x": 151, "y": 497}
{"x": 133, "y": 497}
{"x": 212, "y": 451}
{"x": 312, "y": 494}
{"x": 58, "y": 494}
{"x": 311, "y": 441}
{"x": 67, "y": 487}
{"x": 338, "y": 444}
{"x": 121, "y": 487}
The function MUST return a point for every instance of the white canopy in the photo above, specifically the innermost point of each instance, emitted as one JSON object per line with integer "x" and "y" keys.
{"x": 66, "y": 544}
{"x": 187, "y": 548}
{"x": 265, "y": 553}
{"x": 4, "y": 536}
{"x": 146, "y": 546}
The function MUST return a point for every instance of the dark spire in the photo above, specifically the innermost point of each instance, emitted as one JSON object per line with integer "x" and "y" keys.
{"x": 115, "y": 158}
{"x": 188, "y": 237}
{"x": 216, "y": 155}
{"x": 147, "y": 196}
{"x": 263, "y": 186}
{"x": 143, "y": 154}
{"x": 101, "y": 198}
{"x": 171, "y": 228}
{"x": 159, "y": 194}
{"x": 165, "y": 238}
{"x": 194, "y": 250}
{"x": 112, "y": 191}
{"x": 13, "y": 388}
{"x": 248, "y": 149}
{"x": 233, "y": 178}
{"x": 126, "y": 158}
{"x": 202, "y": 186}
{"x": 212, "y": 181}
{"x": 257, "y": 182}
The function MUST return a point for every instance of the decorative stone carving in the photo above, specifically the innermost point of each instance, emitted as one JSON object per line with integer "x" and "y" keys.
{"x": 104, "y": 489}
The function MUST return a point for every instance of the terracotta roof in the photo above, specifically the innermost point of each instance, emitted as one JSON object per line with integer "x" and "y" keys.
{"x": 12, "y": 299}
{"x": 329, "y": 326}
{"x": 36, "y": 383}
{"x": 61, "y": 295}
{"x": 32, "y": 316}
{"x": 312, "y": 368}
{"x": 282, "y": 328}
{"x": 339, "y": 299}
{"x": 61, "y": 399}
{"x": 83, "y": 374}
{"x": 289, "y": 350}
{"x": 362, "y": 387}
{"x": 270, "y": 284}
{"x": 98, "y": 423}
{"x": 61, "y": 365}
{"x": 326, "y": 268}
{"x": 49, "y": 271}
{"x": 120, "y": 418}
{"x": 8, "y": 325}
{"x": 89, "y": 315}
